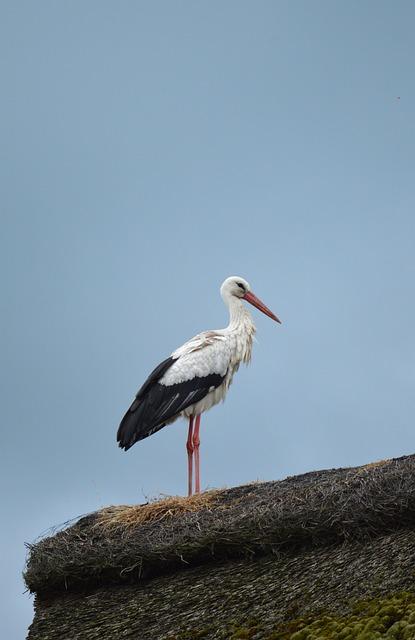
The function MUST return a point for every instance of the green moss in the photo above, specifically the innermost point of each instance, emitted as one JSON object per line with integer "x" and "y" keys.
{"x": 390, "y": 618}
{"x": 244, "y": 632}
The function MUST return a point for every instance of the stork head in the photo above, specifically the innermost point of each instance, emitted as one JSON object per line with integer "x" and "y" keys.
{"x": 237, "y": 287}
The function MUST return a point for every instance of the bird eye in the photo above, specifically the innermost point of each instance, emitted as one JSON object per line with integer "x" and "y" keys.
{"x": 241, "y": 286}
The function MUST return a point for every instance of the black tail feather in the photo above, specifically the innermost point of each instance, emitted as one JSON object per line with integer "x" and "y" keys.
{"x": 131, "y": 431}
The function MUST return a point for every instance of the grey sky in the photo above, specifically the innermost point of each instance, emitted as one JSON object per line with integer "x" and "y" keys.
{"x": 150, "y": 149}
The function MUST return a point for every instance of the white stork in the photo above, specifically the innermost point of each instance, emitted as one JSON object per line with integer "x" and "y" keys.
{"x": 195, "y": 377}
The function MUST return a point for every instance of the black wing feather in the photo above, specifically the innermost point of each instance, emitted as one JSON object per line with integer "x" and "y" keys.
{"x": 157, "y": 403}
{"x": 154, "y": 376}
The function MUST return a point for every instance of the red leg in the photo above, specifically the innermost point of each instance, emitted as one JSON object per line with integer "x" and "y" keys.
{"x": 196, "y": 443}
{"x": 190, "y": 448}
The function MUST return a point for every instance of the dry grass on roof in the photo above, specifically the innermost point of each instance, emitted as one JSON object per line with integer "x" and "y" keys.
{"x": 124, "y": 516}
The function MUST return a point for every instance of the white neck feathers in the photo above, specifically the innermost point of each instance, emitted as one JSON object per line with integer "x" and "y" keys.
{"x": 242, "y": 328}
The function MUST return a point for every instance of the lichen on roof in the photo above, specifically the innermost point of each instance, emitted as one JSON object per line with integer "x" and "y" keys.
{"x": 391, "y": 618}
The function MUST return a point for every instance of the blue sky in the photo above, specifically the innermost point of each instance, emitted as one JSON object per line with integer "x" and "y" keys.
{"x": 151, "y": 149}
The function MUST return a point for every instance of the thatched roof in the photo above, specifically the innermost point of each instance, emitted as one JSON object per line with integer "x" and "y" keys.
{"x": 260, "y": 555}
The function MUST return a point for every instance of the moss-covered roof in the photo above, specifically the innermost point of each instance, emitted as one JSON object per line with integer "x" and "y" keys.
{"x": 266, "y": 560}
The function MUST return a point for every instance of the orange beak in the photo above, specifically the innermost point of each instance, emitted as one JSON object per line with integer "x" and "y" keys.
{"x": 256, "y": 302}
